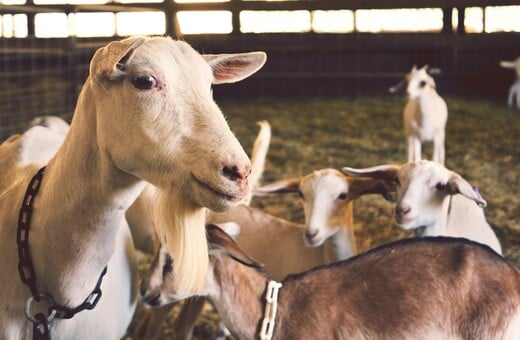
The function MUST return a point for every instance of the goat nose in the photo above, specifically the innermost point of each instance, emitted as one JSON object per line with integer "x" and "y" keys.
{"x": 310, "y": 234}
{"x": 402, "y": 210}
{"x": 234, "y": 173}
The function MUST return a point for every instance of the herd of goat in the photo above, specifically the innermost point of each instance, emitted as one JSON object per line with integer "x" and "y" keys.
{"x": 149, "y": 163}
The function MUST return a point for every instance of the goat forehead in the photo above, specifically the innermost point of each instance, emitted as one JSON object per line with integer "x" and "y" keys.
{"x": 325, "y": 181}
{"x": 174, "y": 58}
{"x": 418, "y": 76}
{"x": 422, "y": 174}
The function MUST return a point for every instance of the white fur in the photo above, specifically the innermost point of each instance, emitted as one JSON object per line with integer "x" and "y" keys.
{"x": 421, "y": 203}
{"x": 425, "y": 115}
{"x": 121, "y": 134}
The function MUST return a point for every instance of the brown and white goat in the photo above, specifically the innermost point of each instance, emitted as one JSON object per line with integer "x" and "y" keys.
{"x": 421, "y": 288}
{"x": 425, "y": 114}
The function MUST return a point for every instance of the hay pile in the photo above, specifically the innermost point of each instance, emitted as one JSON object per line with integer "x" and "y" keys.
{"x": 308, "y": 134}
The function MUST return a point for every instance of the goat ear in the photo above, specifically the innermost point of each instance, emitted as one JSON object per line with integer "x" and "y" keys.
{"x": 283, "y": 186}
{"x": 507, "y": 64}
{"x": 365, "y": 186}
{"x": 387, "y": 172}
{"x": 230, "y": 68}
{"x": 218, "y": 239}
{"x": 458, "y": 185}
{"x": 110, "y": 62}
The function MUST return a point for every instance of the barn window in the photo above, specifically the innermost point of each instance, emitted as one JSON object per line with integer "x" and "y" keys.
{"x": 12, "y": 2}
{"x": 502, "y": 19}
{"x": 152, "y": 23}
{"x": 474, "y": 20}
{"x": 194, "y": 1}
{"x": 333, "y": 21}
{"x": 399, "y": 20}
{"x": 13, "y": 25}
{"x": 72, "y": 2}
{"x": 198, "y": 22}
{"x": 51, "y": 25}
{"x": 275, "y": 21}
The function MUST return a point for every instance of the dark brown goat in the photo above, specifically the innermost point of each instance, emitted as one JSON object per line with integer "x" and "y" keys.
{"x": 427, "y": 288}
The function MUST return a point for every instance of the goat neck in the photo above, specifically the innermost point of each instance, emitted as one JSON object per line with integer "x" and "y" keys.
{"x": 239, "y": 285}
{"x": 439, "y": 227}
{"x": 82, "y": 182}
{"x": 341, "y": 245}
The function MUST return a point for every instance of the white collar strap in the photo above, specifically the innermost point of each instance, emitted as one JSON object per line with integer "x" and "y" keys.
{"x": 271, "y": 305}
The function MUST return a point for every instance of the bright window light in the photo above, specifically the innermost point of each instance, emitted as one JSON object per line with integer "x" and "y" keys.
{"x": 194, "y": 1}
{"x": 198, "y": 22}
{"x": 14, "y": 25}
{"x": 399, "y": 20}
{"x": 132, "y": 23}
{"x": 72, "y": 2}
{"x": 275, "y": 21}
{"x": 51, "y": 25}
{"x": 132, "y": 1}
{"x": 82, "y": 24}
{"x": 503, "y": 19}
{"x": 333, "y": 21}
{"x": 12, "y": 2}
{"x": 473, "y": 20}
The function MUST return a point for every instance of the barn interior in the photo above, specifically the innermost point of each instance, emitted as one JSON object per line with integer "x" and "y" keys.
{"x": 324, "y": 88}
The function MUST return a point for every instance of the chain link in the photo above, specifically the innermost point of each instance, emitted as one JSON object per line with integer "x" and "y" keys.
{"x": 42, "y": 323}
{"x": 25, "y": 266}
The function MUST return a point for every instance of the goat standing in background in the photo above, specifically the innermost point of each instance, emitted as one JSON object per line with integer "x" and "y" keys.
{"x": 425, "y": 114}
{"x": 513, "y": 97}
{"x": 421, "y": 288}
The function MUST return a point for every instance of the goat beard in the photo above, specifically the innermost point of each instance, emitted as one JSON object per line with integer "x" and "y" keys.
{"x": 180, "y": 226}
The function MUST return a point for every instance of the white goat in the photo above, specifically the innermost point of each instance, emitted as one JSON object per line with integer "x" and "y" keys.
{"x": 144, "y": 113}
{"x": 397, "y": 291}
{"x": 427, "y": 197}
{"x": 327, "y": 197}
{"x": 513, "y": 97}
{"x": 425, "y": 115}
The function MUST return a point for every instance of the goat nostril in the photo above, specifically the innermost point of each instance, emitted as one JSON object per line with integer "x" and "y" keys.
{"x": 402, "y": 210}
{"x": 310, "y": 234}
{"x": 233, "y": 173}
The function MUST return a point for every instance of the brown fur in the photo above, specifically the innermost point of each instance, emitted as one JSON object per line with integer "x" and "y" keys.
{"x": 419, "y": 288}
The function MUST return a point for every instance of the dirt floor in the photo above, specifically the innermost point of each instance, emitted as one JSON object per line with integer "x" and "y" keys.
{"x": 308, "y": 134}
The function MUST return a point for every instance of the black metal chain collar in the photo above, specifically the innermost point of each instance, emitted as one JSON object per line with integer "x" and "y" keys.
{"x": 42, "y": 323}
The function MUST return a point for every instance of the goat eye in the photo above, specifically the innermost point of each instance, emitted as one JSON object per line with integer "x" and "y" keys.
{"x": 300, "y": 194}
{"x": 144, "y": 82}
{"x": 342, "y": 196}
{"x": 440, "y": 186}
{"x": 422, "y": 84}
